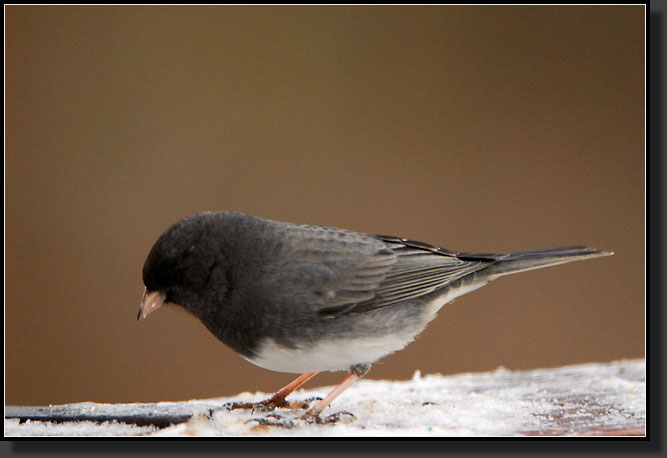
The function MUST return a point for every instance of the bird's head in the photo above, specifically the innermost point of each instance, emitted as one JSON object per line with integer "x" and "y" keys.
{"x": 178, "y": 266}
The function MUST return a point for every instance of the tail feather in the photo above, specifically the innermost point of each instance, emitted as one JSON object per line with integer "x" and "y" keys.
{"x": 521, "y": 261}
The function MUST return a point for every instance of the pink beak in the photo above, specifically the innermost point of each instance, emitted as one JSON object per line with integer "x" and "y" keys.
{"x": 150, "y": 303}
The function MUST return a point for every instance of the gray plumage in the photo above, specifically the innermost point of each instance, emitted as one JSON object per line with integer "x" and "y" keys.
{"x": 272, "y": 290}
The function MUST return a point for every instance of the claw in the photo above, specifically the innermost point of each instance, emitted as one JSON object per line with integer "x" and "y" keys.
{"x": 263, "y": 406}
{"x": 259, "y": 407}
{"x": 269, "y": 405}
{"x": 341, "y": 417}
{"x": 279, "y": 422}
{"x": 274, "y": 419}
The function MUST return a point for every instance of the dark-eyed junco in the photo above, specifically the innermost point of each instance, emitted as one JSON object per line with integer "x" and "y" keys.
{"x": 304, "y": 299}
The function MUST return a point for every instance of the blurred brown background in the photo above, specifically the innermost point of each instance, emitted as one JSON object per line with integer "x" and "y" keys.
{"x": 476, "y": 128}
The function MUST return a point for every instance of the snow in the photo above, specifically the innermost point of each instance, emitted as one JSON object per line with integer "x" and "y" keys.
{"x": 588, "y": 399}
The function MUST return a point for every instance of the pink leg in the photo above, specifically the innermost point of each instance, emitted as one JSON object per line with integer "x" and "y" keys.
{"x": 278, "y": 399}
{"x": 315, "y": 411}
{"x": 285, "y": 391}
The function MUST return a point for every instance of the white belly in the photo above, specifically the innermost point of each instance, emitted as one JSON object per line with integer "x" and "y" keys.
{"x": 329, "y": 355}
{"x": 341, "y": 354}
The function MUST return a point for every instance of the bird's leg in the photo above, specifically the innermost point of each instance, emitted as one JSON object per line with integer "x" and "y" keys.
{"x": 313, "y": 415}
{"x": 278, "y": 399}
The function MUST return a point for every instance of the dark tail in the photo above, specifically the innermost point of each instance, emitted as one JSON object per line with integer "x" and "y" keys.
{"x": 536, "y": 259}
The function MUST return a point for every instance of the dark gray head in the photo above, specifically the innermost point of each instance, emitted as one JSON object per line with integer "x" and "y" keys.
{"x": 178, "y": 257}
{"x": 179, "y": 265}
{"x": 201, "y": 263}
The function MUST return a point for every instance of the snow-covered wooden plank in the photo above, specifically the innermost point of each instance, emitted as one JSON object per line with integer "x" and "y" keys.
{"x": 587, "y": 399}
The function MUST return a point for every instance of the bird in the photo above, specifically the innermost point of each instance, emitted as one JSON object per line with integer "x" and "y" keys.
{"x": 305, "y": 299}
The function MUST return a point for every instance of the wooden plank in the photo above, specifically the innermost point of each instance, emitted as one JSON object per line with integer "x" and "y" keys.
{"x": 583, "y": 400}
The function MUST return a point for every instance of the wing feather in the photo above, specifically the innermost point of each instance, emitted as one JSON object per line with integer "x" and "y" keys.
{"x": 339, "y": 272}
{"x": 418, "y": 269}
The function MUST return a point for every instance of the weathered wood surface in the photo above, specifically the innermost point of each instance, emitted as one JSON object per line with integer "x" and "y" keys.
{"x": 582, "y": 400}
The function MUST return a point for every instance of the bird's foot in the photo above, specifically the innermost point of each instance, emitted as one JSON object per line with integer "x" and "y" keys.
{"x": 269, "y": 405}
{"x": 271, "y": 420}
{"x": 252, "y": 406}
{"x": 278, "y": 421}
{"x": 337, "y": 418}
